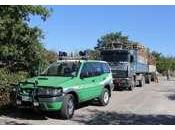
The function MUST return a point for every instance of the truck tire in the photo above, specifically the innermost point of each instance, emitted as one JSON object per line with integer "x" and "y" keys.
{"x": 132, "y": 85}
{"x": 153, "y": 77}
{"x": 104, "y": 97}
{"x": 142, "y": 82}
{"x": 130, "y": 88}
{"x": 68, "y": 107}
{"x": 149, "y": 80}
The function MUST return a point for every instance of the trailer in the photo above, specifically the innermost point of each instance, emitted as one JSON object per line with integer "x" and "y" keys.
{"x": 131, "y": 66}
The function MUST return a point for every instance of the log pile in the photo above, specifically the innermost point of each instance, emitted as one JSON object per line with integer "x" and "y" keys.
{"x": 141, "y": 50}
{"x": 151, "y": 60}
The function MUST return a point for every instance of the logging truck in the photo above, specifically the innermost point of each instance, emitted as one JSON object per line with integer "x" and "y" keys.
{"x": 131, "y": 65}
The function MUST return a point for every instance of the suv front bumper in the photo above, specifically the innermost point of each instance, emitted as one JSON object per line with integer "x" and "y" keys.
{"x": 44, "y": 103}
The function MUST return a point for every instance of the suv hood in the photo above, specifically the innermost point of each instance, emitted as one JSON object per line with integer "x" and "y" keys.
{"x": 46, "y": 81}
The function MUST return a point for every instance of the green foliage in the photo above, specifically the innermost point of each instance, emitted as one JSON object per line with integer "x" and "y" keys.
{"x": 110, "y": 38}
{"x": 20, "y": 45}
{"x": 21, "y": 50}
{"x": 7, "y": 77}
{"x": 93, "y": 54}
{"x": 164, "y": 63}
{"x": 50, "y": 56}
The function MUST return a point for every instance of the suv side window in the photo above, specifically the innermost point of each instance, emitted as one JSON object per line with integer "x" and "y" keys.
{"x": 105, "y": 68}
{"x": 98, "y": 70}
{"x": 91, "y": 69}
{"x": 86, "y": 70}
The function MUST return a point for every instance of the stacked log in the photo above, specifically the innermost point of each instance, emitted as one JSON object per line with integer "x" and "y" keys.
{"x": 151, "y": 60}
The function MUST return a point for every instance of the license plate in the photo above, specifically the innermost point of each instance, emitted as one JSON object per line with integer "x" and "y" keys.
{"x": 25, "y": 98}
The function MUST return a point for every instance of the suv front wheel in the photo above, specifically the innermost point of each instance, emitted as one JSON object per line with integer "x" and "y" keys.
{"x": 104, "y": 97}
{"x": 68, "y": 106}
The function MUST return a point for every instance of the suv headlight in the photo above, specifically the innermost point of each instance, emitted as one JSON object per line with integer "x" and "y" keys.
{"x": 50, "y": 91}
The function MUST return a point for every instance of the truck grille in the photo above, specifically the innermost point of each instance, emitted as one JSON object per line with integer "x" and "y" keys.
{"x": 119, "y": 73}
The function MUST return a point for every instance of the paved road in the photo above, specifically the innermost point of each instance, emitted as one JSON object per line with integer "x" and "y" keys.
{"x": 151, "y": 104}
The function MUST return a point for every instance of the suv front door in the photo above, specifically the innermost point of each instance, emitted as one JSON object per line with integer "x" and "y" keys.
{"x": 89, "y": 82}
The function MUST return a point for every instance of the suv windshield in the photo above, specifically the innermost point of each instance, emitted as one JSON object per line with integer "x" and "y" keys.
{"x": 66, "y": 68}
{"x": 114, "y": 56}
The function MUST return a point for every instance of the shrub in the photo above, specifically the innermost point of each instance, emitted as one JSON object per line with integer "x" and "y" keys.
{"x": 6, "y": 79}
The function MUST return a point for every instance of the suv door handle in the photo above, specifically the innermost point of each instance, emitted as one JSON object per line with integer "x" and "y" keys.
{"x": 93, "y": 80}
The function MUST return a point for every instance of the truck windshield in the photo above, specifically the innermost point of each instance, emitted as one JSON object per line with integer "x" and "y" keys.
{"x": 66, "y": 69}
{"x": 115, "y": 56}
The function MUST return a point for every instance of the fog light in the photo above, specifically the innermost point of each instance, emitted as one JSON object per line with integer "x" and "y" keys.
{"x": 36, "y": 104}
{"x": 18, "y": 102}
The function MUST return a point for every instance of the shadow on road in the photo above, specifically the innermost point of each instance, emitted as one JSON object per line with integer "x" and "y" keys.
{"x": 28, "y": 114}
{"x": 113, "y": 118}
{"x": 171, "y": 97}
{"x": 14, "y": 123}
{"x": 95, "y": 117}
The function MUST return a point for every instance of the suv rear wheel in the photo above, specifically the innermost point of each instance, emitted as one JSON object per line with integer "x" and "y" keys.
{"x": 68, "y": 106}
{"x": 104, "y": 98}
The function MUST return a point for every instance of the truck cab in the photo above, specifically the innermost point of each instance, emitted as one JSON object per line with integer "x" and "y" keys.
{"x": 122, "y": 63}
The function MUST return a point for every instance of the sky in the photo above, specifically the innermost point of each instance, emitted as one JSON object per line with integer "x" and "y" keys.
{"x": 73, "y": 28}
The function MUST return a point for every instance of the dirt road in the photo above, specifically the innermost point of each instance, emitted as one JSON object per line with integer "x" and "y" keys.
{"x": 151, "y": 104}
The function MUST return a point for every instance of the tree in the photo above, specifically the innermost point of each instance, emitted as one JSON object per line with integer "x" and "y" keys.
{"x": 20, "y": 44}
{"x": 106, "y": 41}
{"x": 51, "y": 56}
{"x": 164, "y": 63}
{"x": 93, "y": 54}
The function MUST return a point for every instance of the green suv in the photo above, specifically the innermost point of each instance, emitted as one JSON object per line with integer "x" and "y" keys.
{"x": 65, "y": 84}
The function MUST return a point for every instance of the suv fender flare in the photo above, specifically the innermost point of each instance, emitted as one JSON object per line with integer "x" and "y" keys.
{"x": 74, "y": 92}
{"x": 109, "y": 87}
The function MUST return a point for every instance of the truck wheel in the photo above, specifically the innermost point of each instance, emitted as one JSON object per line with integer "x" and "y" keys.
{"x": 142, "y": 82}
{"x": 132, "y": 85}
{"x": 149, "y": 80}
{"x": 104, "y": 98}
{"x": 68, "y": 107}
{"x": 130, "y": 88}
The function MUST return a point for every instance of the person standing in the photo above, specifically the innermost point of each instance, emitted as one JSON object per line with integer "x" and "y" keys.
{"x": 156, "y": 77}
{"x": 168, "y": 75}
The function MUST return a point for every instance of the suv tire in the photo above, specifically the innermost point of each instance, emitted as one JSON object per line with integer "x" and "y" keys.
{"x": 68, "y": 106}
{"x": 104, "y": 97}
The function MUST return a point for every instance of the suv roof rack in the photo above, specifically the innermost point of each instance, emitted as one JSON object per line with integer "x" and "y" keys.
{"x": 64, "y": 56}
{"x": 73, "y": 58}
